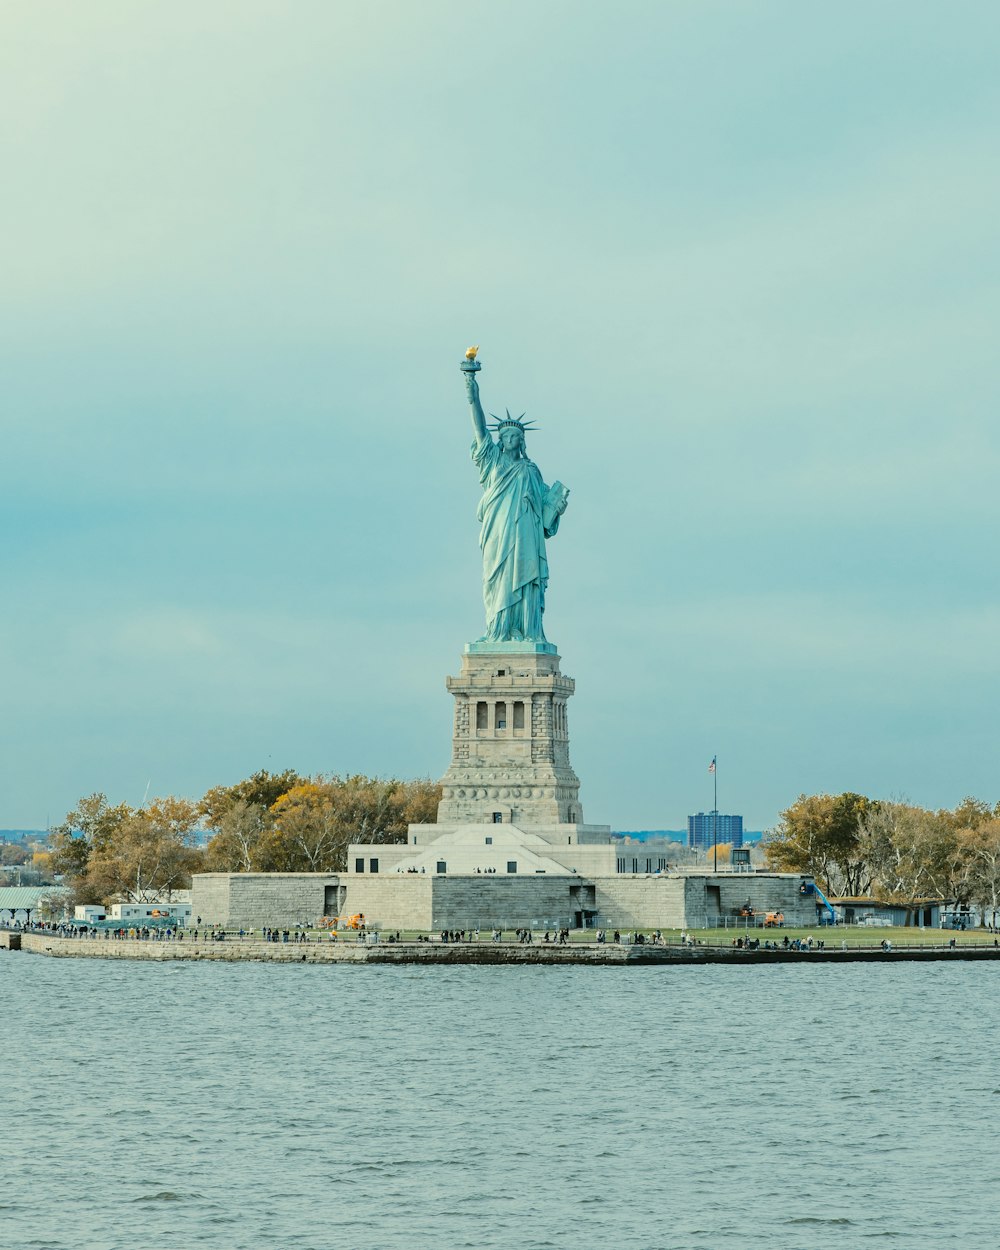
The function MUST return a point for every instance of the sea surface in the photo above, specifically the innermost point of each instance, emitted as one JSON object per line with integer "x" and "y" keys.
{"x": 263, "y": 1107}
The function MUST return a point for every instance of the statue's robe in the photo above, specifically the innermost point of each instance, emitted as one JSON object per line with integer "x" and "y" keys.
{"x": 512, "y": 537}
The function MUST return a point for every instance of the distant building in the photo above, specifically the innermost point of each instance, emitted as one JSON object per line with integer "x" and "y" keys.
{"x": 90, "y": 912}
{"x": 20, "y": 904}
{"x": 181, "y": 912}
{"x": 707, "y": 828}
{"x": 927, "y": 913}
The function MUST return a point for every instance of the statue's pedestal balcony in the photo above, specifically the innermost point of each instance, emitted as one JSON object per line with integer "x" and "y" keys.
{"x": 510, "y": 748}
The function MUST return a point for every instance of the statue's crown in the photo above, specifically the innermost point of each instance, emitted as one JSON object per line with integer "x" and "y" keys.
{"x": 518, "y": 423}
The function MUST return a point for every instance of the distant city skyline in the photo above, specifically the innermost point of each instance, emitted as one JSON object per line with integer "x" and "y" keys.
{"x": 737, "y": 261}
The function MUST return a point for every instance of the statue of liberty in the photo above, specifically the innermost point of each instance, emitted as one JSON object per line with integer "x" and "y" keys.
{"x": 517, "y": 513}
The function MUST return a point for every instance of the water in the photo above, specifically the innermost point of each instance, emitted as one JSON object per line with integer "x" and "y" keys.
{"x": 261, "y": 1107}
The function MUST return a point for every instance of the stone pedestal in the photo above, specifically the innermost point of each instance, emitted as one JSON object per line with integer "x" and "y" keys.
{"x": 510, "y": 749}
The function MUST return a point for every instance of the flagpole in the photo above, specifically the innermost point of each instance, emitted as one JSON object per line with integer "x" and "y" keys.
{"x": 715, "y": 813}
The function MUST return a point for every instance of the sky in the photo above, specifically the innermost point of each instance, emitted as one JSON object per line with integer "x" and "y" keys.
{"x": 739, "y": 260}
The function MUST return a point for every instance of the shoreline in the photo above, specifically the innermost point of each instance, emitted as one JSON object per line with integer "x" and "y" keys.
{"x": 234, "y": 950}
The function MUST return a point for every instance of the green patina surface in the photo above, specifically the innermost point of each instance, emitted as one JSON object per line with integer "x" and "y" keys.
{"x": 517, "y": 513}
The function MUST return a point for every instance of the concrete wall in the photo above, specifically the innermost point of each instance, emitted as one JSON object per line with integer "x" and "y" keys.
{"x": 696, "y": 901}
{"x": 255, "y": 899}
{"x": 391, "y": 901}
{"x": 431, "y": 902}
{"x": 647, "y": 902}
{"x": 426, "y": 901}
{"x": 767, "y": 891}
{"x": 509, "y": 902}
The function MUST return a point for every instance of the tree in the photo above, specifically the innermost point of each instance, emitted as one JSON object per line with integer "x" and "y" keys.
{"x": 819, "y": 835}
{"x": 418, "y": 802}
{"x": 263, "y": 789}
{"x": 979, "y": 856}
{"x": 315, "y": 822}
{"x": 91, "y": 827}
{"x": 372, "y": 809}
{"x": 41, "y": 861}
{"x": 121, "y": 854}
{"x": 242, "y": 839}
{"x": 912, "y": 853}
{"x": 271, "y": 822}
{"x": 971, "y": 813}
{"x": 156, "y": 851}
{"x": 309, "y": 835}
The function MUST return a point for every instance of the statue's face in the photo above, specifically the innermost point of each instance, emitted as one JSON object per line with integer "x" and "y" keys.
{"x": 511, "y": 439}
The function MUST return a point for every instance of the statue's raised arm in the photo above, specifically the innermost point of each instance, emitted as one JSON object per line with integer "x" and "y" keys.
{"x": 517, "y": 513}
{"x": 470, "y": 367}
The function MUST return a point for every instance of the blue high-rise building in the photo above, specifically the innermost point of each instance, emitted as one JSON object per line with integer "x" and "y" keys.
{"x": 702, "y": 830}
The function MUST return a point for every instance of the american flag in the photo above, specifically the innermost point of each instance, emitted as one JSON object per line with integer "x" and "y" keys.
{"x": 711, "y": 767}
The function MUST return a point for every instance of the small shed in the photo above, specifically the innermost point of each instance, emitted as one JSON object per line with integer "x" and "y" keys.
{"x": 921, "y": 913}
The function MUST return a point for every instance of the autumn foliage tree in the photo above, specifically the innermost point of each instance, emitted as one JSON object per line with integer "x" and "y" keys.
{"x": 310, "y": 824}
{"x": 262, "y": 790}
{"x": 127, "y": 854}
{"x": 242, "y": 821}
{"x": 978, "y": 848}
{"x": 910, "y": 853}
{"x": 314, "y": 823}
{"x": 820, "y": 835}
{"x": 892, "y": 850}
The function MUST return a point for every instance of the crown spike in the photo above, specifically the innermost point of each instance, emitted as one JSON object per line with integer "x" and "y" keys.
{"x": 517, "y": 423}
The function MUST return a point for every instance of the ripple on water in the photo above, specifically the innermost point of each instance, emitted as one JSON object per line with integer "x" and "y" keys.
{"x": 255, "y": 1107}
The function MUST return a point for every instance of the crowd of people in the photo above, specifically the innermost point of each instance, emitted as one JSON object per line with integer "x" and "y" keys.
{"x": 786, "y": 944}
{"x": 303, "y": 932}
